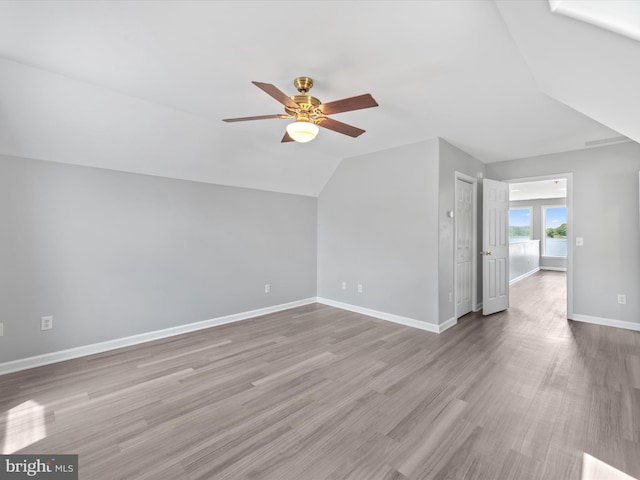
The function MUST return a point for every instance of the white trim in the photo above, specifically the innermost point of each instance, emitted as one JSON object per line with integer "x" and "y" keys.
{"x": 390, "y": 317}
{"x": 447, "y": 324}
{"x": 524, "y": 275}
{"x": 607, "y": 322}
{"x": 569, "y": 177}
{"x": 62, "y": 355}
{"x": 555, "y": 269}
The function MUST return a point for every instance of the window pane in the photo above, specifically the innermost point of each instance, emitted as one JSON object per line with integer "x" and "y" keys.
{"x": 555, "y": 226}
{"x": 519, "y": 225}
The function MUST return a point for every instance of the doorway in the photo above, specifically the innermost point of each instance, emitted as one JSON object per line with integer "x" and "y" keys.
{"x": 540, "y": 231}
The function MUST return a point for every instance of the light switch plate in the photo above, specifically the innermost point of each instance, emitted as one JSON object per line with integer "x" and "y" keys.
{"x": 579, "y": 241}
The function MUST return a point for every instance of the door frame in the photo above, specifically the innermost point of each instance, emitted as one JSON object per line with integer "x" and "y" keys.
{"x": 570, "y": 239}
{"x": 474, "y": 242}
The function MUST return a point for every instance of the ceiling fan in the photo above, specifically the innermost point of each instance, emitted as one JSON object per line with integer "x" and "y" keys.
{"x": 309, "y": 112}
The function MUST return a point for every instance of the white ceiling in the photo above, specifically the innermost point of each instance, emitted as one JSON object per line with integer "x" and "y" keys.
{"x": 552, "y": 188}
{"x": 142, "y": 86}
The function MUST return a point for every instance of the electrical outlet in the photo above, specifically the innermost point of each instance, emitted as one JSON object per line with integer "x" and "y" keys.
{"x": 359, "y": 288}
{"x": 344, "y": 285}
{"x": 450, "y": 297}
{"x": 622, "y": 299}
{"x": 267, "y": 288}
{"x": 579, "y": 242}
{"x": 1, "y": 329}
{"x": 46, "y": 323}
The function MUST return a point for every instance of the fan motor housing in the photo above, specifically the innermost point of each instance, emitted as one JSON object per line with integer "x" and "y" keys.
{"x": 306, "y": 103}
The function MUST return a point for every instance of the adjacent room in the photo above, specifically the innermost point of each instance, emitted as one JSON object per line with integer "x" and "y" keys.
{"x": 538, "y": 226}
{"x": 320, "y": 240}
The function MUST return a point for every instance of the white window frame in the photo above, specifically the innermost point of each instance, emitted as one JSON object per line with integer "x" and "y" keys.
{"x": 530, "y": 220}
{"x": 543, "y": 230}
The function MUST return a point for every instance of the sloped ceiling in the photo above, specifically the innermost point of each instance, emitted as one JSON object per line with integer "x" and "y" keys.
{"x": 143, "y": 86}
{"x": 590, "y": 69}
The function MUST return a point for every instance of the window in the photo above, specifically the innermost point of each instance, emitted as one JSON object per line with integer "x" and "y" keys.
{"x": 519, "y": 224}
{"x": 554, "y": 223}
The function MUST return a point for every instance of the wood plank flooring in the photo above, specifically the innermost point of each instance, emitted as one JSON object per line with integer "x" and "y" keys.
{"x": 320, "y": 393}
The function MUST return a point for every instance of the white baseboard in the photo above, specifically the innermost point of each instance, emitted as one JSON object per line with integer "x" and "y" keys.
{"x": 62, "y": 355}
{"x": 555, "y": 269}
{"x": 524, "y": 275}
{"x": 607, "y": 322}
{"x": 447, "y": 324}
{"x": 406, "y": 321}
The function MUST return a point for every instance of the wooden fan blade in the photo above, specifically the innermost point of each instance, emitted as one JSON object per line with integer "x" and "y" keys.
{"x": 259, "y": 117}
{"x": 340, "y": 127}
{"x": 348, "y": 104}
{"x": 276, "y": 93}
{"x": 287, "y": 138}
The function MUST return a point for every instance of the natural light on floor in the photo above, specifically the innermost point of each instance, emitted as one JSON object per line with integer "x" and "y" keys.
{"x": 25, "y": 425}
{"x": 594, "y": 469}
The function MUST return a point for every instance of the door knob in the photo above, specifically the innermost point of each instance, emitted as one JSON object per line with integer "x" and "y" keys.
{"x": 485, "y": 253}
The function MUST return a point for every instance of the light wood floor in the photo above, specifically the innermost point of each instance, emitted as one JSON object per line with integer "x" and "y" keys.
{"x": 320, "y": 393}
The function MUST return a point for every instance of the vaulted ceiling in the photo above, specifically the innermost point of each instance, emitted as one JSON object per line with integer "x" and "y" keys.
{"x": 142, "y": 86}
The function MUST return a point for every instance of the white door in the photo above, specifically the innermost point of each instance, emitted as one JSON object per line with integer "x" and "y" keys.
{"x": 495, "y": 247}
{"x": 464, "y": 237}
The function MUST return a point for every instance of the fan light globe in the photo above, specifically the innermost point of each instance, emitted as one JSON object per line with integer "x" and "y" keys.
{"x": 302, "y": 131}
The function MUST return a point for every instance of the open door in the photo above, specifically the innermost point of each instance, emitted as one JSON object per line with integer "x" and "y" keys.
{"x": 495, "y": 247}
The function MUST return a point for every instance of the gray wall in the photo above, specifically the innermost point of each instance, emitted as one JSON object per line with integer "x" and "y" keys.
{"x": 536, "y": 226}
{"x": 112, "y": 254}
{"x": 378, "y": 226}
{"x": 453, "y": 160}
{"x": 605, "y": 214}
